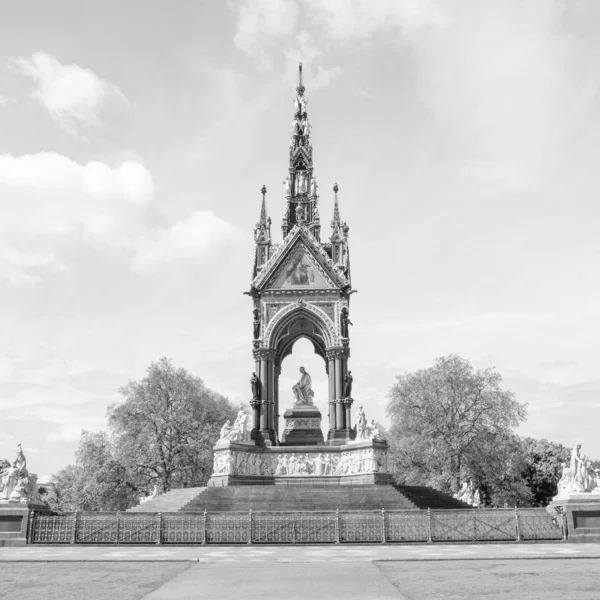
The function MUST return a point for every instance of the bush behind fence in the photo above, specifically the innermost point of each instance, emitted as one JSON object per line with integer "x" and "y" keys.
{"x": 255, "y": 527}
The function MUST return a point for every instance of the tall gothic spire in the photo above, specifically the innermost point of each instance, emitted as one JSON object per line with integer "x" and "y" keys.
{"x": 301, "y": 185}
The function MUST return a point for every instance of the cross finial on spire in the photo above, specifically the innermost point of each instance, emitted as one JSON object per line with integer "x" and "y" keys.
{"x": 300, "y": 88}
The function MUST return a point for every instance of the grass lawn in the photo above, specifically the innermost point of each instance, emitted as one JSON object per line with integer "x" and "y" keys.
{"x": 536, "y": 579}
{"x": 86, "y": 580}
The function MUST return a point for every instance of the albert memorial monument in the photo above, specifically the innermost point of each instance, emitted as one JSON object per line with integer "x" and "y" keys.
{"x": 300, "y": 287}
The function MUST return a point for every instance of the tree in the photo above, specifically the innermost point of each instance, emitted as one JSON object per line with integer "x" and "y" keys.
{"x": 451, "y": 422}
{"x": 542, "y": 468}
{"x": 165, "y": 429}
{"x": 97, "y": 481}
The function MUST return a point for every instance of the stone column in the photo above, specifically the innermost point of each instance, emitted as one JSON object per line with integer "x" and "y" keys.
{"x": 331, "y": 380}
{"x": 265, "y": 357}
{"x": 339, "y": 407}
{"x": 264, "y": 379}
{"x": 255, "y": 404}
{"x": 276, "y": 394}
{"x": 348, "y": 407}
{"x": 271, "y": 372}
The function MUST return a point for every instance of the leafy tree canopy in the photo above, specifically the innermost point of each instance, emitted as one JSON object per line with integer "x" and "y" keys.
{"x": 161, "y": 434}
{"x": 451, "y": 422}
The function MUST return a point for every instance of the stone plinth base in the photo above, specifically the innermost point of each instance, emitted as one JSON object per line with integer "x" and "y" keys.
{"x": 14, "y": 521}
{"x": 302, "y": 427}
{"x": 352, "y": 464}
{"x": 582, "y": 514}
{"x": 359, "y": 479}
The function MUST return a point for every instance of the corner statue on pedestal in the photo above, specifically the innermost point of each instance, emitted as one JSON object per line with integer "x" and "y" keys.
{"x": 303, "y": 393}
{"x": 578, "y": 477}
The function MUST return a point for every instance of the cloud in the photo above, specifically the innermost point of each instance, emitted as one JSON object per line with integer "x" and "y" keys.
{"x": 267, "y": 28}
{"x": 51, "y": 171}
{"x": 47, "y": 198}
{"x": 5, "y": 101}
{"x": 345, "y": 20}
{"x": 72, "y": 95}
{"x": 264, "y": 21}
{"x": 201, "y": 235}
{"x": 488, "y": 74}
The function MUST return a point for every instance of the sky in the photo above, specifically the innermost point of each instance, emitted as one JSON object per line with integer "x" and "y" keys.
{"x": 134, "y": 141}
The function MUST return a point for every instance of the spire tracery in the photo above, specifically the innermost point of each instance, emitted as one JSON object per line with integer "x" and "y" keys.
{"x": 301, "y": 185}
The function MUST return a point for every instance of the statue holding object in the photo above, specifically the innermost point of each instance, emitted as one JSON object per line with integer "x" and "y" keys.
{"x": 345, "y": 321}
{"x": 255, "y": 385}
{"x": 256, "y": 323}
{"x": 348, "y": 385}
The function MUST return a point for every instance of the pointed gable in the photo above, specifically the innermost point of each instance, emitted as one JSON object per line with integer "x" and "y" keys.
{"x": 300, "y": 263}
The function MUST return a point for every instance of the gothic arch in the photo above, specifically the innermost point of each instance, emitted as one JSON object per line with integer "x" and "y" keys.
{"x": 295, "y": 321}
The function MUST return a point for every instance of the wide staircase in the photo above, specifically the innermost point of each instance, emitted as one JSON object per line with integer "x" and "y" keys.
{"x": 299, "y": 498}
{"x": 172, "y": 501}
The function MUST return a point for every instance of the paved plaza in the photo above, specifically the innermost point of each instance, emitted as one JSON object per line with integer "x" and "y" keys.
{"x": 300, "y": 554}
{"x": 412, "y": 572}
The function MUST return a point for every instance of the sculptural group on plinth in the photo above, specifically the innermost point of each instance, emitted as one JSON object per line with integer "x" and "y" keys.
{"x": 578, "y": 477}
{"x": 470, "y": 494}
{"x": 578, "y": 498}
{"x": 17, "y": 484}
{"x": 238, "y": 432}
{"x": 364, "y": 430}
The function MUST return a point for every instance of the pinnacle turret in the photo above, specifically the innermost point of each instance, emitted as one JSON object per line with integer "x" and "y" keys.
{"x": 262, "y": 233}
{"x": 339, "y": 236}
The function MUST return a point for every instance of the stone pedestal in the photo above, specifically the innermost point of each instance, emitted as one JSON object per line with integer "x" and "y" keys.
{"x": 302, "y": 427}
{"x": 359, "y": 463}
{"x": 582, "y": 514}
{"x": 14, "y": 521}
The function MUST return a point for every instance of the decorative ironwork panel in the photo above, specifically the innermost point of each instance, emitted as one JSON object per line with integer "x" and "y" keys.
{"x": 52, "y": 529}
{"x": 453, "y": 526}
{"x": 273, "y": 528}
{"x": 182, "y": 529}
{"x": 361, "y": 527}
{"x": 314, "y": 528}
{"x": 97, "y": 528}
{"x": 406, "y": 526}
{"x": 495, "y": 524}
{"x": 538, "y": 524}
{"x": 139, "y": 529}
{"x": 227, "y": 528}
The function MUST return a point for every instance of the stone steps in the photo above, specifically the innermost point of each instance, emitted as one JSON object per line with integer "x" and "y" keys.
{"x": 315, "y": 498}
{"x": 299, "y": 498}
{"x": 171, "y": 501}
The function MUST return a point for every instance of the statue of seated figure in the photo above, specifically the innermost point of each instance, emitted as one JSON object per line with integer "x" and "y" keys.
{"x": 303, "y": 393}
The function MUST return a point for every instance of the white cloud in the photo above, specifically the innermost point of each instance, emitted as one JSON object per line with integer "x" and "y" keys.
{"x": 349, "y": 19}
{"x": 202, "y": 234}
{"x": 46, "y": 198}
{"x": 72, "y": 95}
{"x": 5, "y": 101}
{"x": 267, "y": 28}
{"x": 51, "y": 171}
{"x": 264, "y": 21}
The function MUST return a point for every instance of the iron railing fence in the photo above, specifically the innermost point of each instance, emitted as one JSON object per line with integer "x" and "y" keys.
{"x": 319, "y": 527}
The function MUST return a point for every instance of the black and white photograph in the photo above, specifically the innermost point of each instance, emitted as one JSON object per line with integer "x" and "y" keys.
{"x": 300, "y": 299}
